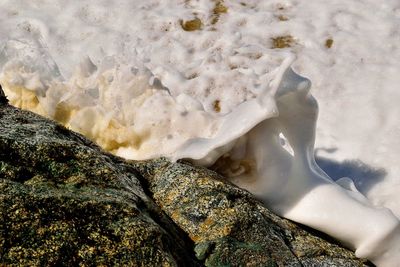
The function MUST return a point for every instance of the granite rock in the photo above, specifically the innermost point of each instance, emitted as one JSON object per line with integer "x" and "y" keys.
{"x": 64, "y": 201}
{"x": 230, "y": 227}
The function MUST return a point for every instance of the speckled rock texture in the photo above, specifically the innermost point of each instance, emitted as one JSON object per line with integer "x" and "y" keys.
{"x": 65, "y": 202}
{"x": 230, "y": 227}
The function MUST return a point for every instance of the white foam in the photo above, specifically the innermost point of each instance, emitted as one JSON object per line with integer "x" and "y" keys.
{"x": 130, "y": 77}
{"x": 219, "y": 66}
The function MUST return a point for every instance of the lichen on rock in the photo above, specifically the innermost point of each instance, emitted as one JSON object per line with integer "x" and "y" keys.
{"x": 231, "y": 228}
{"x": 64, "y": 201}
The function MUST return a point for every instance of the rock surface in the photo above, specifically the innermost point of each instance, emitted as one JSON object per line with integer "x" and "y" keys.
{"x": 229, "y": 226}
{"x": 64, "y": 201}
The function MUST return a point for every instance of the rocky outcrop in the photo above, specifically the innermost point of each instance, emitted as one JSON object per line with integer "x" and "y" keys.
{"x": 231, "y": 228}
{"x": 64, "y": 201}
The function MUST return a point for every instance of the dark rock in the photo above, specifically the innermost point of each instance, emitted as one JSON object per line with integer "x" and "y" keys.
{"x": 3, "y": 98}
{"x": 230, "y": 227}
{"x": 64, "y": 201}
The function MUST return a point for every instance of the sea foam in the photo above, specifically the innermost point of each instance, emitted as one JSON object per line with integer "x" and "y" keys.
{"x": 206, "y": 81}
